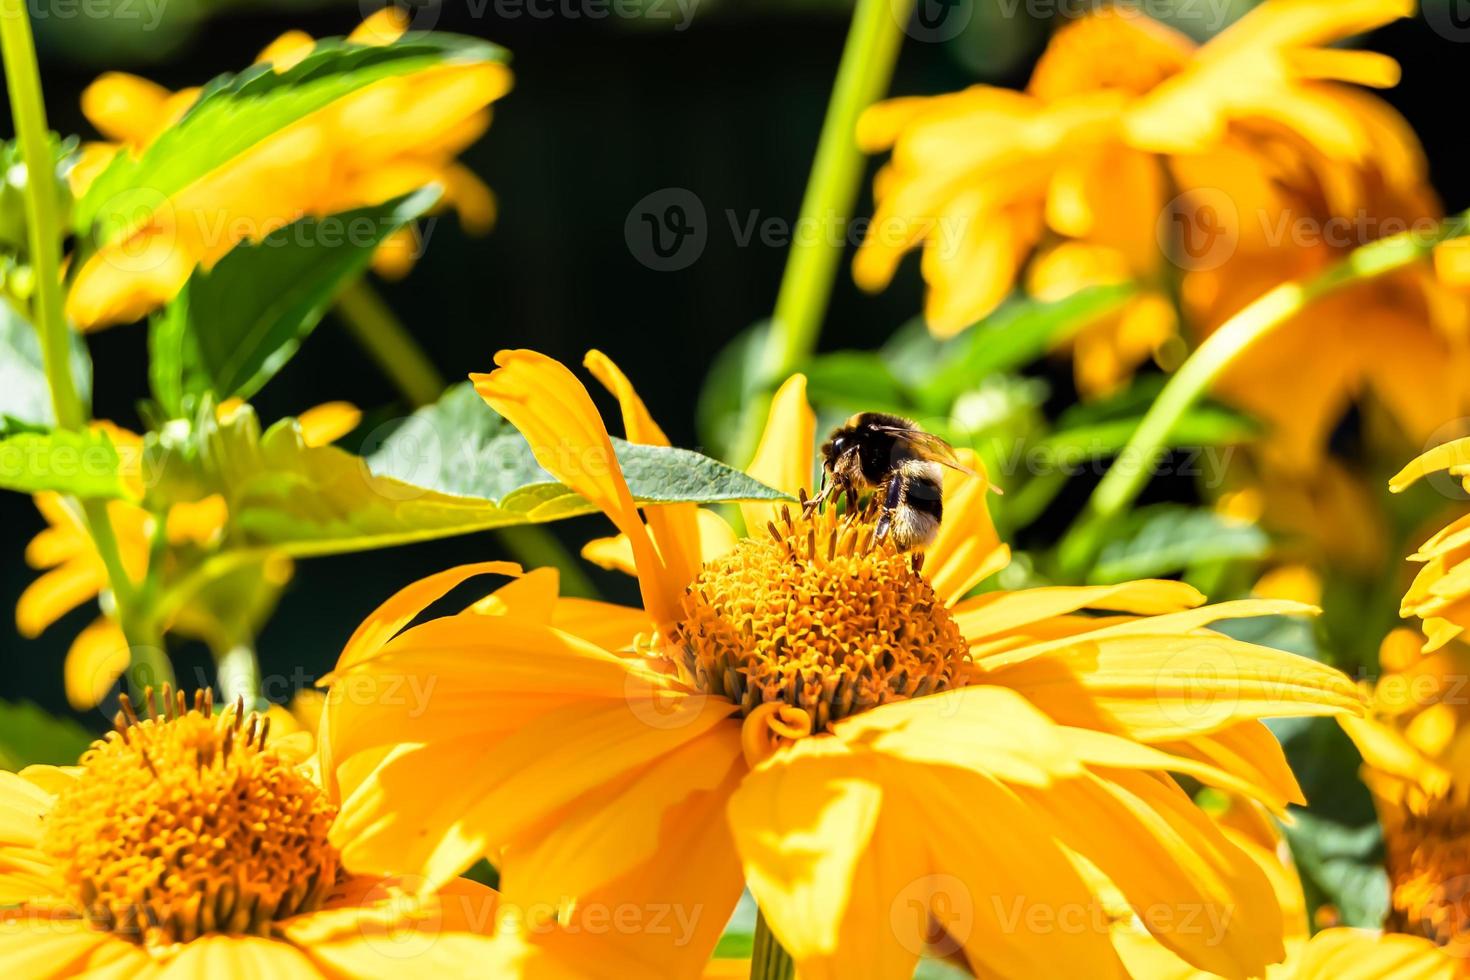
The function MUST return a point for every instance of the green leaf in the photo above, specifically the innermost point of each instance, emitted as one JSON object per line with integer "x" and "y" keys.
{"x": 29, "y": 736}
{"x": 1166, "y": 538}
{"x": 1013, "y": 336}
{"x": 733, "y": 379}
{"x": 854, "y": 381}
{"x": 1342, "y": 865}
{"x": 452, "y": 468}
{"x": 83, "y": 464}
{"x": 24, "y": 394}
{"x": 237, "y": 112}
{"x": 231, "y": 328}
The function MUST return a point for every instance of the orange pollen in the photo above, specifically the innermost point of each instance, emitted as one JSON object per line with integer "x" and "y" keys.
{"x": 184, "y": 823}
{"x": 1113, "y": 49}
{"x": 1428, "y": 858}
{"x": 816, "y": 614}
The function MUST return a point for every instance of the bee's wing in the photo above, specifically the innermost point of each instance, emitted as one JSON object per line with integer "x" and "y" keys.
{"x": 928, "y": 446}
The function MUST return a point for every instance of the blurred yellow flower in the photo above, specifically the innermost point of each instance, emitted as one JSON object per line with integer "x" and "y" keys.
{"x": 804, "y": 710}
{"x": 75, "y": 574}
{"x": 389, "y": 138}
{"x": 1440, "y": 594}
{"x": 1416, "y": 761}
{"x": 192, "y": 844}
{"x": 1122, "y": 114}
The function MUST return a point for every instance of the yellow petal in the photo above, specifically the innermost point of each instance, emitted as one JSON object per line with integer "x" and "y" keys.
{"x": 967, "y": 550}
{"x": 125, "y": 108}
{"x": 784, "y": 457}
{"x": 675, "y": 527}
{"x": 1357, "y": 954}
{"x": 1454, "y": 454}
{"x": 1000, "y": 612}
{"x": 807, "y": 826}
{"x": 530, "y": 597}
{"x": 324, "y": 424}
{"x": 553, "y": 411}
{"x": 44, "y": 947}
{"x": 96, "y": 659}
{"x": 405, "y": 604}
{"x": 609, "y": 626}
{"x": 240, "y": 956}
{"x": 989, "y": 729}
{"x": 1199, "y": 896}
{"x": 286, "y": 51}
{"x": 382, "y": 27}
{"x": 57, "y": 593}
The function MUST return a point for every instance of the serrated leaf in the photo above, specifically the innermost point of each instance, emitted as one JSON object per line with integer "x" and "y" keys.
{"x": 237, "y": 112}
{"x": 733, "y": 379}
{"x": 24, "y": 393}
{"x": 453, "y": 468}
{"x": 29, "y": 736}
{"x": 1167, "y": 538}
{"x": 231, "y": 328}
{"x": 82, "y": 464}
{"x": 1022, "y": 330}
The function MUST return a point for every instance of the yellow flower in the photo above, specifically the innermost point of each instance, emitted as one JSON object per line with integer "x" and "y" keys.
{"x": 803, "y": 710}
{"x": 190, "y": 844}
{"x": 391, "y": 137}
{"x": 75, "y": 574}
{"x": 1440, "y": 595}
{"x": 1121, "y": 114}
{"x": 1416, "y": 761}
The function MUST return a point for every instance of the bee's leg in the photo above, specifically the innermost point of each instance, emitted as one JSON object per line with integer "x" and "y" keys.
{"x": 892, "y": 496}
{"x": 916, "y": 562}
{"x": 824, "y": 490}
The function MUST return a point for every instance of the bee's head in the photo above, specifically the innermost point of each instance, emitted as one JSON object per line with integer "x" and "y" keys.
{"x": 836, "y": 445}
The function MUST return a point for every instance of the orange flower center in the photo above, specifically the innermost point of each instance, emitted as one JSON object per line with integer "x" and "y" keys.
{"x": 1113, "y": 49}
{"x": 1429, "y": 869}
{"x": 184, "y": 823}
{"x": 815, "y": 614}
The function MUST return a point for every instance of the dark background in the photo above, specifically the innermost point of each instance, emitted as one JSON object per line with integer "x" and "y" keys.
{"x": 603, "y": 113}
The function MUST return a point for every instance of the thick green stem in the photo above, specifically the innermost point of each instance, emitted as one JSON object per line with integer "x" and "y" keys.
{"x": 44, "y": 235}
{"x": 1138, "y": 459}
{"x": 769, "y": 959}
{"x": 391, "y": 345}
{"x": 820, "y": 234}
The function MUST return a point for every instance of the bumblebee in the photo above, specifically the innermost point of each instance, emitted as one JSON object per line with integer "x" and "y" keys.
{"x": 887, "y": 453}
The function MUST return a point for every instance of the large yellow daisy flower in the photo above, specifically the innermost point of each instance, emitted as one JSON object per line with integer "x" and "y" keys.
{"x": 391, "y": 137}
{"x": 1122, "y": 114}
{"x": 189, "y": 844}
{"x": 800, "y": 709}
{"x": 1440, "y": 595}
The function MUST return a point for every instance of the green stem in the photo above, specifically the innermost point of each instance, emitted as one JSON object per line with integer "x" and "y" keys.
{"x": 388, "y": 342}
{"x": 863, "y": 76}
{"x": 769, "y": 959}
{"x": 1130, "y": 471}
{"x": 44, "y": 234}
{"x": 391, "y": 345}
